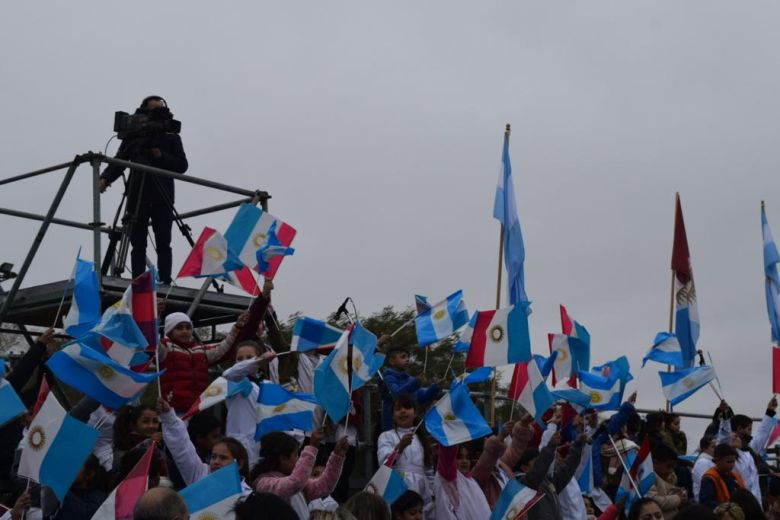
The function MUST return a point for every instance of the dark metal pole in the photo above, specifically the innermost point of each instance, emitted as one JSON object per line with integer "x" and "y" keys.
{"x": 41, "y": 218}
{"x": 9, "y": 299}
{"x": 177, "y": 176}
{"x": 213, "y": 209}
{"x": 96, "y": 223}
{"x": 54, "y": 168}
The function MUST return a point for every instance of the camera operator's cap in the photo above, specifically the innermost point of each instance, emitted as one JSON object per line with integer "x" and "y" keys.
{"x": 173, "y": 319}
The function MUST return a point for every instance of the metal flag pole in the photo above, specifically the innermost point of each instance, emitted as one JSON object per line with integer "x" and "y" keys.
{"x": 671, "y": 295}
{"x": 623, "y": 463}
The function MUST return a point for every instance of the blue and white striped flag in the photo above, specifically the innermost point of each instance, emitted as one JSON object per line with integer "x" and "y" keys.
{"x": 455, "y": 419}
{"x": 11, "y": 406}
{"x": 56, "y": 447}
{"x": 515, "y": 501}
{"x": 666, "y": 349}
{"x": 678, "y": 386}
{"x": 387, "y": 483}
{"x": 214, "y": 496}
{"x": 771, "y": 258}
{"x": 278, "y": 409}
{"x": 605, "y": 393}
{"x": 310, "y": 334}
{"x": 98, "y": 376}
{"x": 441, "y": 320}
{"x": 84, "y": 312}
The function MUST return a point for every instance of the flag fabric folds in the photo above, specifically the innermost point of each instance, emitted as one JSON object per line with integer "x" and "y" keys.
{"x": 215, "y": 495}
{"x": 11, "y": 406}
{"x": 118, "y": 325}
{"x": 640, "y": 470}
{"x": 84, "y": 312}
{"x": 529, "y": 389}
{"x": 666, "y": 349}
{"x": 55, "y": 448}
{"x": 441, "y": 320}
{"x": 505, "y": 211}
{"x": 272, "y": 248}
{"x": 210, "y": 256}
{"x": 310, "y": 334}
{"x": 248, "y": 231}
{"x": 573, "y": 328}
{"x": 455, "y": 419}
{"x": 120, "y": 503}
{"x": 479, "y": 375}
{"x": 278, "y": 409}
{"x": 387, "y": 483}
{"x": 515, "y": 501}
{"x": 605, "y": 393}
{"x": 687, "y": 311}
{"x": 572, "y": 356}
{"x": 678, "y": 386}
{"x": 618, "y": 368}
{"x": 584, "y": 473}
{"x": 421, "y": 303}
{"x": 545, "y": 364}
{"x": 498, "y": 337}
{"x": 772, "y": 290}
{"x": 244, "y": 279}
{"x": 98, "y": 376}
{"x": 219, "y": 390}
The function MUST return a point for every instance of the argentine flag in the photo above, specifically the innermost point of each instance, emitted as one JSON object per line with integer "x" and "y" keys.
{"x": 278, "y": 409}
{"x": 309, "y": 334}
{"x": 55, "y": 448}
{"x": 387, "y": 483}
{"x": 678, "y": 386}
{"x": 84, "y": 312}
{"x": 214, "y": 496}
{"x": 455, "y": 419}
{"x": 98, "y": 376}
{"x": 605, "y": 393}
{"x": 270, "y": 249}
{"x": 529, "y": 389}
{"x": 573, "y": 355}
{"x": 219, "y": 390}
{"x": 11, "y": 406}
{"x": 249, "y": 231}
{"x": 772, "y": 286}
{"x": 441, "y": 320}
{"x": 118, "y": 325}
{"x": 666, "y": 349}
{"x": 515, "y": 501}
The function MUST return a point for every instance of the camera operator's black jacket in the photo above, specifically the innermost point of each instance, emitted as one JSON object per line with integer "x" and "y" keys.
{"x": 155, "y": 188}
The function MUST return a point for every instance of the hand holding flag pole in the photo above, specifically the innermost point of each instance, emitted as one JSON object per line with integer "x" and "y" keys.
{"x": 625, "y": 467}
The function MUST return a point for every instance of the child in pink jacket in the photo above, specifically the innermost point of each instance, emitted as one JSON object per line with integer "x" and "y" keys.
{"x": 286, "y": 474}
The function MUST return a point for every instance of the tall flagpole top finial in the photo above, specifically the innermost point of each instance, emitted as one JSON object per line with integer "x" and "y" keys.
{"x": 508, "y": 129}
{"x": 762, "y": 204}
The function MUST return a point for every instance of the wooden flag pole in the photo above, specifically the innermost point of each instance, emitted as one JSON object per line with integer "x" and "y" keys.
{"x": 498, "y": 301}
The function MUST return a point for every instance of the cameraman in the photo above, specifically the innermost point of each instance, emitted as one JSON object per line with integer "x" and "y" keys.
{"x": 150, "y": 196}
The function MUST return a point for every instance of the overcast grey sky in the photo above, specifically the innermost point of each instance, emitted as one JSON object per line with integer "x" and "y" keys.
{"x": 377, "y": 128}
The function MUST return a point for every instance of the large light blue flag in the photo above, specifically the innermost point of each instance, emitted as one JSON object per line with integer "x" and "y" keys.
{"x": 271, "y": 248}
{"x": 118, "y": 325}
{"x": 214, "y": 496}
{"x": 546, "y": 364}
{"x": 772, "y": 286}
{"x": 666, "y": 349}
{"x": 505, "y": 210}
{"x": 441, "y": 320}
{"x": 678, "y": 386}
{"x": 515, "y": 501}
{"x": 56, "y": 447}
{"x": 310, "y": 334}
{"x": 619, "y": 369}
{"x": 11, "y": 406}
{"x": 605, "y": 392}
{"x": 584, "y": 473}
{"x": 84, "y": 312}
{"x": 98, "y": 376}
{"x": 280, "y": 410}
{"x": 455, "y": 419}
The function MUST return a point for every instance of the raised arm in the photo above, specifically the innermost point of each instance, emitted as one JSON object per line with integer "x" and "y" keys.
{"x": 324, "y": 485}
{"x": 521, "y": 436}
{"x": 494, "y": 448}
{"x": 179, "y": 444}
{"x": 568, "y": 467}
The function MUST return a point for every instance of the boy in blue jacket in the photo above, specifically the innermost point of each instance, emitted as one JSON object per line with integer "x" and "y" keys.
{"x": 398, "y": 382}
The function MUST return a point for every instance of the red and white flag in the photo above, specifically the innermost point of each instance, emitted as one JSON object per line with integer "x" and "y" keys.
{"x": 120, "y": 503}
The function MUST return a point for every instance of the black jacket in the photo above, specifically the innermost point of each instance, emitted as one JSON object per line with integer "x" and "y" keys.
{"x": 155, "y": 188}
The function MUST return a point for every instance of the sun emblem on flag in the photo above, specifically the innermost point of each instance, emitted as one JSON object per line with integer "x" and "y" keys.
{"x": 449, "y": 416}
{"x": 496, "y": 333}
{"x": 357, "y": 362}
{"x": 439, "y": 314}
{"x": 106, "y": 372}
{"x": 562, "y": 354}
{"x": 595, "y": 397}
{"x": 513, "y": 512}
{"x": 259, "y": 239}
{"x": 213, "y": 391}
{"x": 688, "y": 383}
{"x": 279, "y": 408}
{"x": 37, "y": 438}
{"x": 215, "y": 253}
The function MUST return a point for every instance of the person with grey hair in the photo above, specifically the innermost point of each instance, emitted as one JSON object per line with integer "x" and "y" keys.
{"x": 161, "y": 504}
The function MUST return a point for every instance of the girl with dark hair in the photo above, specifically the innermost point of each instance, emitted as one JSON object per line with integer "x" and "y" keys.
{"x": 412, "y": 452}
{"x": 134, "y": 425}
{"x": 409, "y": 506}
{"x": 225, "y": 451}
{"x": 367, "y": 506}
{"x": 645, "y": 509}
{"x": 284, "y": 473}
{"x": 264, "y": 506}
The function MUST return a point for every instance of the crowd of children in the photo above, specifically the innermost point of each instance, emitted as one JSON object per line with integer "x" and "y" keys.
{"x": 302, "y": 475}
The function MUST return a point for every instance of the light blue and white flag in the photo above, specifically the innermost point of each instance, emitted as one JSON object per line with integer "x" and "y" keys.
{"x": 455, "y": 419}
{"x": 84, "y": 312}
{"x": 687, "y": 325}
{"x": 387, "y": 483}
{"x": 577, "y": 398}
{"x": 310, "y": 334}
{"x": 772, "y": 285}
{"x": 479, "y": 375}
{"x": 545, "y": 364}
{"x": 118, "y": 325}
{"x": 505, "y": 210}
{"x": 441, "y": 320}
{"x": 678, "y": 386}
{"x": 365, "y": 361}
{"x": 618, "y": 368}
{"x": 584, "y": 473}
{"x": 218, "y": 391}
{"x": 11, "y": 406}
{"x": 214, "y": 496}
{"x": 529, "y": 389}
{"x": 279, "y": 410}
{"x": 271, "y": 248}
{"x": 573, "y": 355}
{"x": 605, "y": 393}
{"x": 55, "y": 448}
{"x": 515, "y": 501}
{"x": 98, "y": 376}
{"x": 666, "y": 349}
